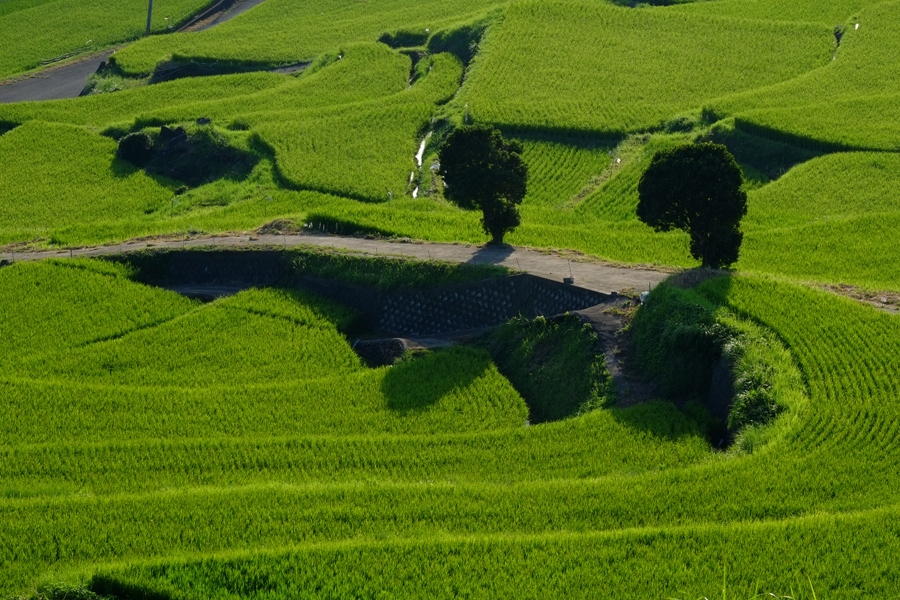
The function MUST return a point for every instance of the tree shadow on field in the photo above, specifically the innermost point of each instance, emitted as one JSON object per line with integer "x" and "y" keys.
{"x": 668, "y": 420}
{"x": 762, "y": 160}
{"x": 419, "y": 382}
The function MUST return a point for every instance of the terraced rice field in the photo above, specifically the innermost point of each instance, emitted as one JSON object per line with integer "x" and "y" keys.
{"x": 238, "y": 463}
{"x": 155, "y": 447}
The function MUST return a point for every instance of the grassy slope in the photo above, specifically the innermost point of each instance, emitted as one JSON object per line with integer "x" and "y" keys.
{"x": 802, "y": 559}
{"x": 851, "y": 102}
{"x": 32, "y": 31}
{"x": 288, "y": 31}
{"x": 827, "y": 481}
{"x": 593, "y": 67}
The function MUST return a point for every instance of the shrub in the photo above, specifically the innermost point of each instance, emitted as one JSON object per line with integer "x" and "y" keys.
{"x": 136, "y": 148}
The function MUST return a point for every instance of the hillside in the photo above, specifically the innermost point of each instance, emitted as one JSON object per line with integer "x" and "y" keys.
{"x": 590, "y": 88}
{"x": 154, "y": 446}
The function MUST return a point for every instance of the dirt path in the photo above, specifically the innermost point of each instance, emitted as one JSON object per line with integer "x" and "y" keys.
{"x": 588, "y": 274}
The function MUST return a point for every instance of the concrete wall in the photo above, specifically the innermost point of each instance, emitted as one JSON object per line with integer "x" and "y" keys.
{"x": 480, "y": 304}
{"x": 418, "y": 312}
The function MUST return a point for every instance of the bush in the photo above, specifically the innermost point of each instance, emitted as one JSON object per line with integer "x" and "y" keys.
{"x": 61, "y": 591}
{"x": 555, "y": 365}
{"x": 679, "y": 342}
{"x": 136, "y": 148}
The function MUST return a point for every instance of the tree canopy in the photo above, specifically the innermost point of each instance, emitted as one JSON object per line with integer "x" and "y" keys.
{"x": 696, "y": 188}
{"x": 482, "y": 170}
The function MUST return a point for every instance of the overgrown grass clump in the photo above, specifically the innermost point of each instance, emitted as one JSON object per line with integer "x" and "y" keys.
{"x": 697, "y": 350}
{"x": 389, "y": 273}
{"x": 556, "y": 364}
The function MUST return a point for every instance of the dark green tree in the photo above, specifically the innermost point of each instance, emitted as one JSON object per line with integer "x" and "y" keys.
{"x": 696, "y": 188}
{"x": 484, "y": 171}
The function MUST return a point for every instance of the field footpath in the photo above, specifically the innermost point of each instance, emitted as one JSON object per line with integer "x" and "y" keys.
{"x": 592, "y": 275}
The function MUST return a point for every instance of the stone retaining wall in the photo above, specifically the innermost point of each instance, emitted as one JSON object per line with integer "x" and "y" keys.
{"x": 480, "y": 304}
{"x": 418, "y": 312}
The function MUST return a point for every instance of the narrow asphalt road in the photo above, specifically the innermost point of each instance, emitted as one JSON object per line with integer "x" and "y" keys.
{"x": 54, "y": 84}
{"x": 68, "y": 81}
{"x": 591, "y": 275}
{"x": 234, "y": 9}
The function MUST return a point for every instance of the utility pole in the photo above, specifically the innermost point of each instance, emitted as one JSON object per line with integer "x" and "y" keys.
{"x": 149, "y": 16}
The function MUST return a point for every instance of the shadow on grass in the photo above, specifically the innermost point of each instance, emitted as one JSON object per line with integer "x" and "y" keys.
{"x": 767, "y": 159}
{"x": 664, "y": 420}
{"x": 420, "y": 382}
{"x": 195, "y": 157}
{"x": 7, "y": 126}
{"x": 113, "y": 587}
{"x": 323, "y": 223}
{"x": 679, "y": 343}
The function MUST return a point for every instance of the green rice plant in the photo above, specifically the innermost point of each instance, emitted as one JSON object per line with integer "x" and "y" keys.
{"x": 288, "y": 31}
{"x": 818, "y": 192}
{"x": 355, "y": 73}
{"x": 56, "y": 175}
{"x": 118, "y": 110}
{"x": 834, "y": 456}
{"x": 60, "y": 306}
{"x": 35, "y": 31}
{"x": 378, "y": 138}
{"x": 865, "y": 123}
{"x": 473, "y": 437}
{"x": 830, "y": 13}
{"x": 589, "y": 67}
{"x": 800, "y": 560}
{"x": 451, "y": 392}
{"x": 832, "y": 107}
{"x": 562, "y": 172}
{"x": 227, "y": 342}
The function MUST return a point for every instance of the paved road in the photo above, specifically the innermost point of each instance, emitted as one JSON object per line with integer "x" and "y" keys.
{"x": 591, "y": 275}
{"x": 68, "y": 81}
{"x": 57, "y": 83}
{"x": 239, "y": 7}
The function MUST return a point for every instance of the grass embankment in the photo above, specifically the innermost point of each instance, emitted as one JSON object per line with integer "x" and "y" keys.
{"x": 556, "y": 365}
{"x": 699, "y": 351}
{"x": 161, "y": 397}
{"x": 284, "y": 267}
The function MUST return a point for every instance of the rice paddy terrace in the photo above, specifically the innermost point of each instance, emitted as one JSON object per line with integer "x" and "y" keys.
{"x": 152, "y": 446}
